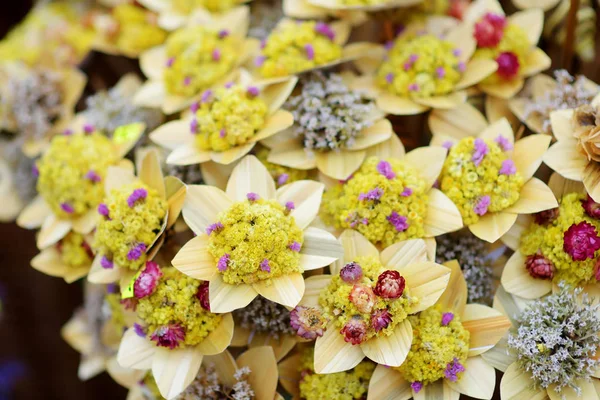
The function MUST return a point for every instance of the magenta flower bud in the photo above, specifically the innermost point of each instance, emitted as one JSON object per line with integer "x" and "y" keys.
{"x": 447, "y": 145}
{"x": 216, "y": 55}
{"x": 390, "y": 285}
{"x": 253, "y": 91}
{"x": 137, "y": 195}
{"x": 202, "y": 295}
{"x": 482, "y": 205}
{"x": 139, "y": 330}
{"x": 371, "y": 195}
{"x": 216, "y": 227}
{"x": 416, "y": 386}
{"x": 399, "y": 222}
{"x": 35, "y": 171}
{"x": 88, "y": 128}
{"x": 229, "y": 85}
{"x": 136, "y": 252}
{"x": 223, "y": 263}
{"x": 380, "y": 319}
{"x": 68, "y": 208}
{"x": 169, "y": 336}
{"x": 508, "y": 65}
{"x": 290, "y": 205}
{"x": 591, "y": 207}
{"x": 447, "y": 317}
{"x": 264, "y": 265}
{"x": 282, "y": 179}
{"x": 103, "y": 210}
{"x": 413, "y": 87}
{"x": 325, "y": 30}
{"x": 351, "y": 272}
{"x": 222, "y": 133}
{"x": 295, "y": 246}
{"x": 259, "y": 61}
{"x": 385, "y": 169}
{"x": 145, "y": 284}
{"x": 68, "y": 132}
{"x": 106, "y": 263}
{"x": 456, "y": 52}
{"x": 93, "y": 176}
{"x": 252, "y": 196}
{"x": 310, "y": 51}
{"x": 581, "y": 241}
{"x": 355, "y": 331}
{"x": 539, "y": 267}
{"x": 440, "y": 72}
{"x": 462, "y": 67}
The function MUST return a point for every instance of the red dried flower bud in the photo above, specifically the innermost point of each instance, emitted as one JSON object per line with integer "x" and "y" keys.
{"x": 146, "y": 283}
{"x": 380, "y": 319}
{"x": 355, "y": 331}
{"x": 490, "y": 30}
{"x": 508, "y": 65}
{"x": 539, "y": 266}
{"x": 362, "y": 297}
{"x": 546, "y": 216}
{"x": 591, "y": 207}
{"x": 169, "y": 336}
{"x": 202, "y": 295}
{"x": 390, "y": 285}
{"x": 581, "y": 241}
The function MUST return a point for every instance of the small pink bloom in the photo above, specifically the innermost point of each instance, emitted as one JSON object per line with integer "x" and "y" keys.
{"x": 504, "y": 143}
{"x": 479, "y": 152}
{"x": 187, "y": 81}
{"x": 325, "y": 30}
{"x": 282, "y": 179}
{"x": 591, "y": 207}
{"x": 139, "y": 330}
{"x": 103, "y": 210}
{"x": 581, "y": 241}
{"x": 380, "y": 319}
{"x": 223, "y": 263}
{"x": 194, "y": 126}
{"x": 35, "y": 171}
{"x": 146, "y": 283}
{"x": 508, "y": 167}
{"x": 416, "y": 386}
{"x": 413, "y": 87}
{"x": 539, "y": 266}
{"x": 362, "y": 297}
{"x": 310, "y": 51}
{"x": 264, "y": 265}
{"x": 390, "y": 285}
{"x": 195, "y": 107}
{"x": 447, "y": 317}
{"x": 398, "y": 221}
{"x": 202, "y": 295}
{"x": 453, "y": 369}
{"x": 351, "y": 272}
{"x": 440, "y": 72}
{"x": 136, "y": 252}
{"x": 406, "y": 192}
{"x": 106, "y": 263}
{"x": 290, "y": 205}
{"x": 168, "y": 336}
{"x": 222, "y": 133}
{"x": 170, "y": 62}
{"x": 88, "y": 128}
{"x": 482, "y": 205}
{"x": 385, "y": 169}
{"x": 389, "y": 78}
{"x": 216, "y": 227}
{"x": 137, "y": 195}
{"x": 355, "y": 331}
{"x": 490, "y": 30}
{"x": 68, "y": 132}
{"x": 447, "y": 145}
{"x": 68, "y": 208}
{"x": 253, "y": 91}
{"x": 508, "y": 65}
{"x": 206, "y": 96}
{"x": 223, "y": 33}
{"x": 371, "y": 195}
{"x": 252, "y": 196}
{"x": 93, "y": 176}
{"x": 308, "y": 322}
{"x": 295, "y": 246}
{"x": 259, "y": 61}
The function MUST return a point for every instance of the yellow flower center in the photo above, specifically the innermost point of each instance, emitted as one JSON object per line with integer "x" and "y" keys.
{"x": 135, "y": 216}
{"x": 359, "y": 303}
{"x": 136, "y": 31}
{"x": 420, "y": 66}
{"x": 282, "y": 175}
{"x": 174, "y": 302}
{"x": 187, "y": 6}
{"x": 385, "y": 200}
{"x": 197, "y": 59}
{"x": 547, "y": 239}
{"x": 255, "y": 240}
{"x": 228, "y": 118}
{"x": 74, "y": 251}
{"x": 480, "y": 177}
{"x": 72, "y": 171}
{"x": 347, "y": 385}
{"x": 295, "y": 47}
{"x": 437, "y": 345}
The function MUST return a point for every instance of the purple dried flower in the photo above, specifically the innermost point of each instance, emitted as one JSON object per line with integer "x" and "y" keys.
{"x": 399, "y": 221}
{"x": 223, "y": 263}
{"x": 195, "y": 107}
{"x": 413, "y": 87}
{"x": 295, "y": 246}
{"x": 169, "y": 336}
{"x": 68, "y": 132}
{"x": 106, "y": 263}
{"x": 416, "y": 386}
{"x": 308, "y": 322}
{"x": 112, "y": 288}
{"x": 252, "y": 196}
{"x": 136, "y": 252}
{"x": 103, "y": 210}
{"x": 88, "y": 128}
{"x": 194, "y": 126}
{"x": 253, "y": 91}
{"x": 453, "y": 369}
{"x": 135, "y": 196}
{"x": 206, "y": 96}
{"x": 325, "y": 30}
{"x": 66, "y": 207}
{"x": 222, "y": 133}
{"x": 371, "y": 195}
{"x": 139, "y": 330}
{"x": 223, "y": 33}
{"x": 440, "y": 72}
{"x": 282, "y": 179}
{"x": 187, "y": 81}
{"x": 351, "y": 272}
{"x": 462, "y": 67}
{"x": 504, "y": 143}
{"x": 35, "y": 171}
{"x": 310, "y": 51}
{"x": 447, "y": 317}
{"x": 380, "y": 319}
{"x": 447, "y": 145}
{"x": 264, "y": 265}
{"x": 479, "y": 152}
{"x": 93, "y": 176}
{"x": 259, "y": 61}
{"x": 289, "y": 205}
{"x": 229, "y": 85}
{"x": 385, "y": 169}
{"x": 170, "y": 62}
{"x": 145, "y": 284}
{"x": 406, "y": 192}
{"x": 389, "y": 78}
{"x": 216, "y": 227}
{"x": 482, "y": 205}
{"x": 508, "y": 167}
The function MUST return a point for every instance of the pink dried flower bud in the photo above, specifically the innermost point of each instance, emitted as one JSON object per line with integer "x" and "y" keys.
{"x": 591, "y": 207}
{"x": 385, "y": 169}
{"x": 308, "y": 322}
{"x": 389, "y": 78}
{"x": 581, "y": 241}
{"x": 546, "y": 216}
{"x": 355, "y": 331}
{"x": 508, "y": 65}
{"x": 482, "y": 205}
{"x": 187, "y": 80}
{"x": 390, "y": 285}
{"x": 490, "y": 30}
{"x": 539, "y": 266}
{"x": 170, "y": 62}
{"x": 168, "y": 336}
{"x": 203, "y": 296}
{"x": 195, "y": 107}
{"x": 479, "y": 152}
{"x": 362, "y": 297}
{"x": 222, "y": 133}
{"x": 380, "y": 319}
{"x": 351, "y": 273}
{"x": 252, "y": 197}
{"x": 146, "y": 283}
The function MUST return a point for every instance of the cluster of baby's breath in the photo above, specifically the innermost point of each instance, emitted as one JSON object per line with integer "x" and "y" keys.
{"x": 208, "y": 385}
{"x": 24, "y": 180}
{"x": 264, "y": 16}
{"x": 328, "y": 114}
{"x": 471, "y": 254}
{"x": 188, "y": 174}
{"x": 109, "y": 109}
{"x": 570, "y": 92}
{"x": 557, "y": 339}
{"x": 35, "y": 102}
{"x": 264, "y": 316}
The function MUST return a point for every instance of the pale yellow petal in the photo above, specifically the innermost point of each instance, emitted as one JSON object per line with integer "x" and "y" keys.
{"x": 428, "y": 160}
{"x": 202, "y": 205}
{"x": 116, "y": 177}
{"x": 460, "y": 122}
{"x": 390, "y": 350}
{"x": 53, "y": 229}
{"x": 306, "y": 196}
{"x": 286, "y": 290}
{"x": 85, "y": 223}
{"x": 188, "y": 154}
{"x": 477, "y": 70}
{"x": 173, "y": 134}
{"x": 215, "y": 174}
{"x": 275, "y": 95}
{"x": 295, "y": 157}
{"x": 446, "y": 102}
{"x": 499, "y": 357}
{"x": 516, "y": 279}
{"x": 426, "y": 281}
{"x": 194, "y": 259}
{"x": 151, "y": 173}
{"x": 461, "y": 37}
{"x": 442, "y": 215}
{"x": 377, "y": 133}
{"x": 455, "y": 296}
{"x": 529, "y": 152}
{"x": 404, "y": 253}
{"x": 320, "y": 248}
{"x": 125, "y": 377}
{"x": 175, "y": 369}
{"x": 135, "y": 352}
{"x": 561, "y": 186}
{"x": 225, "y": 366}
{"x": 477, "y": 381}
{"x": 314, "y": 285}
{"x": 153, "y": 62}
{"x": 588, "y": 391}
{"x": 388, "y": 384}
{"x": 98, "y": 274}
{"x": 438, "y": 390}
{"x": 486, "y": 326}
{"x": 34, "y": 214}
{"x": 562, "y": 126}
{"x": 531, "y": 21}
{"x": 279, "y": 121}
{"x": 512, "y": 238}
{"x": 564, "y": 158}
{"x": 535, "y": 196}
{"x": 290, "y": 375}
{"x": 219, "y": 339}
{"x": 536, "y": 61}
{"x": 396, "y": 105}
{"x": 250, "y": 176}
{"x": 225, "y": 298}
{"x": 499, "y": 128}
{"x": 516, "y": 385}
{"x": 264, "y": 376}
{"x": 504, "y": 89}
{"x": 333, "y": 354}
{"x": 543, "y": 4}
{"x": 229, "y": 156}
{"x": 49, "y": 262}
{"x": 152, "y": 94}
{"x": 354, "y": 245}
{"x": 591, "y": 180}
{"x": 492, "y": 226}
{"x": 340, "y": 164}
{"x": 391, "y": 148}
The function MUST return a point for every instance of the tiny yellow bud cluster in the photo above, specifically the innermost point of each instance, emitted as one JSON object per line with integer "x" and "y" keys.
{"x": 136, "y": 30}
{"x": 74, "y": 251}
{"x": 187, "y": 6}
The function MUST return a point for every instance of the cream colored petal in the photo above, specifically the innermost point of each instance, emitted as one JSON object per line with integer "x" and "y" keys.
{"x": 188, "y": 154}
{"x": 535, "y": 196}
{"x": 499, "y": 357}
{"x": 74, "y": 274}
{"x": 90, "y": 366}
{"x": 455, "y": 296}
{"x": 296, "y": 158}
{"x": 561, "y": 186}
{"x": 290, "y": 375}
{"x": 504, "y": 89}
{"x": 377, "y": 133}
{"x": 460, "y": 122}
{"x": 125, "y": 377}
{"x": 333, "y": 354}
{"x": 499, "y": 128}
{"x": 286, "y": 290}
{"x": 303, "y": 10}
{"x": 430, "y": 245}
{"x": 86, "y": 223}
{"x": 591, "y": 180}
{"x": 486, "y": 326}
{"x": 354, "y": 245}
{"x": 219, "y": 339}
{"x": 477, "y": 70}
{"x": 202, "y": 205}
{"x": 135, "y": 352}
{"x": 175, "y": 369}
{"x": 34, "y": 214}
{"x": 151, "y": 173}
{"x": 117, "y": 177}
{"x": 264, "y": 375}
{"x": 477, "y": 381}
{"x": 275, "y": 95}
{"x": 313, "y": 287}
{"x": 588, "y": 391}
{"x": 176, "y": 192}
{"x": 390, "y": 350}
{"x": 516, "y": 385}
{"x": 173, "y": 134}
{"x": 564, "y": 158}
{"x": 340, "y": 164}
{"x": 225, "y": 366}
{"x": 446, "y": 102}
{"x": 492, "y": 226}
{"x": 509, "y": 305}
{"x": 512, "y": 238}
{"x": 396, "y": 105}
{"x": 229, "y": 156}
{"x": 391, "y": 148}
{"x": 152, "y": 94}
{"x": 388, "y": 384}
{"x": 320, "y": 249}
{"x": 98, "y": 274}
{"x": 153, "y": 62}
{"x": 306, "y": 196}
{"x": 194, "y": 259}
{"x": 216, "y": 174}
{"x": 276, "y": 123}
{"x": 529, "y": 152}
{"x": 49, "y": 262}
{"x": 438, "y": 390}
{"x": 403, "y": 253}
{"x": 281, "y": 346}
{"x": 428, "y": 160}
{"x": 536, "y": 61}
{"x": 562, "y": 126}
{"x": 76, "y": 332}
{"x": 479, "y": 8}
{"x": 442, "y": 215}
{"x": 531, "y": 21}
{"x": 225, "y": 298}
{"x": 426, "y": 281}
{"x": 462, "y": 38}
{"x": 250, "y": 176}
{"x": 53, "y": 229}
{"x": 543, "y": 4}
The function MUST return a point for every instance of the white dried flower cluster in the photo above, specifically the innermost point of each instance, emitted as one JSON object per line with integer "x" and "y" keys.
{"x": 208, "y": 386}
{"x": 33, "y": 102}
{"x": 23, "y": 179}
{"x": 327, "y": 114}
{"x": 264, "y": 16}
{"x": 471, "y": 254}
{"x": 108, "y": 110}
{"x": 557, "y": 339}
{"x": 264, "y": 316}
{"x": 242, "y": 389}
{"x": 569, "y": 93}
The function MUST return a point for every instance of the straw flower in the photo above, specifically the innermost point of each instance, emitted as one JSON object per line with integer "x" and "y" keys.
{"x": 281, "y": 174}
{"x": 543, "y": 95}
{"x": 488, "y": 175}
{"x": 445, "y": 356}
{"x": 552, "y": 349}
{"x": 38, "y": 103}
{"x": 367, "y": 299}
{"x": 226, "y": 123}
{"x": 17, "y": 180}
{"x": 133, "y": 218}
{"x": 334, "y": 127}
{"x": 510, "y": 41}
{"x": 70, "y": 182}
{"x": 195, "y": 58}
{"x": 576, "y": 154}
{"x": 253, "y": 239}
{"x": 70, "y": 258}
{"x": 391, "y": 196}
{"x": 176, "y": 331}
{"x": 420, "y": 70}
